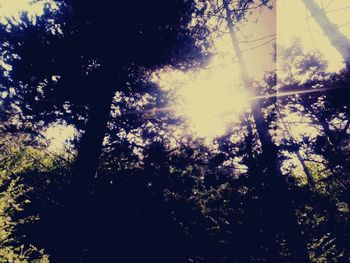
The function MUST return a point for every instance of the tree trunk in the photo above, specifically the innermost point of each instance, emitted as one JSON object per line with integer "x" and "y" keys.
{"x": 79, "y": 215}
{"x": 90, "y": 146}
{"x": 330, "y": 30}
{"x": 278, "y": 205}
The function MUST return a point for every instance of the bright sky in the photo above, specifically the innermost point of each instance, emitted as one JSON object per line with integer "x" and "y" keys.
{"x": 210, "y": 99}
{"x": 295, "y": 21}
{"x": 59, "y": 136}
{"x": 12, "y": 8}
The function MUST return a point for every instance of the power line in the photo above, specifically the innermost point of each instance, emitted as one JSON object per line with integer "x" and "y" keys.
{"x": 338, "y": 9}
{"x": 329, "y": 3}
{"x": 332, "y": 11}
{"x": 260, "y": 45}
{"x": 258, "y": 39}
{"x": 347, "y": 23}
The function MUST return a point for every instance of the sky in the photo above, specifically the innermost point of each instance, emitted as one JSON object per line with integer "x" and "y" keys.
{"x": 290, "y": 19}
{"x": 59, "y": 136}
{"x": 294, "y": 20}
{"x": 12, "y": 8}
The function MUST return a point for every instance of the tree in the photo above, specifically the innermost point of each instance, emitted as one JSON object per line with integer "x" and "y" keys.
{"x": 269, "y": 159}
{"x": 86, "y": 50}
{"x": 154, "y": 193}
{"x": 21, "y": 157}
{"x": 321, "y": 123}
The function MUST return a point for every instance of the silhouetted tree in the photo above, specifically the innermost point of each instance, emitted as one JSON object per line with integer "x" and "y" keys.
{"x": 85, "y": 52}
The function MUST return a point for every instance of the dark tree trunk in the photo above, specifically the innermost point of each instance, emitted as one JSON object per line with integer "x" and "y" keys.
{"x": 278, "y": 206}
{"x": 79, "y": 222}
{"x": 90, "y": 146}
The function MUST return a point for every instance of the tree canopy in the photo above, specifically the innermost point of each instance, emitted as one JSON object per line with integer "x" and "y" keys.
{"x": 100, "y": 157}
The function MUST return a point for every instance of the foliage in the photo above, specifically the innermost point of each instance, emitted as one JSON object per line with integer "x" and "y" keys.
{"x": 17, "y": 159}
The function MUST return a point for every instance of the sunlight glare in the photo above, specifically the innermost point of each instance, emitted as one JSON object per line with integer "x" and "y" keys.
{"x": 210, "y": 103}
{"x": 210, "y": 99}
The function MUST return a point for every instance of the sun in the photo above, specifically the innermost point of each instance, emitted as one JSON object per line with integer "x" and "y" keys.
{"x": 210, "y": 103}
{"x": 209, "y": 100}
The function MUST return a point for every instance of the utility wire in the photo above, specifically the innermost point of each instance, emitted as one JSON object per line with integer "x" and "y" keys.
{"x": 260, "y": 45}
{"x": 332, "y": 11}
{"x": 347, "y": 23}
{"x": 258, "y": 39}
{"x": 329, "y": 3}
